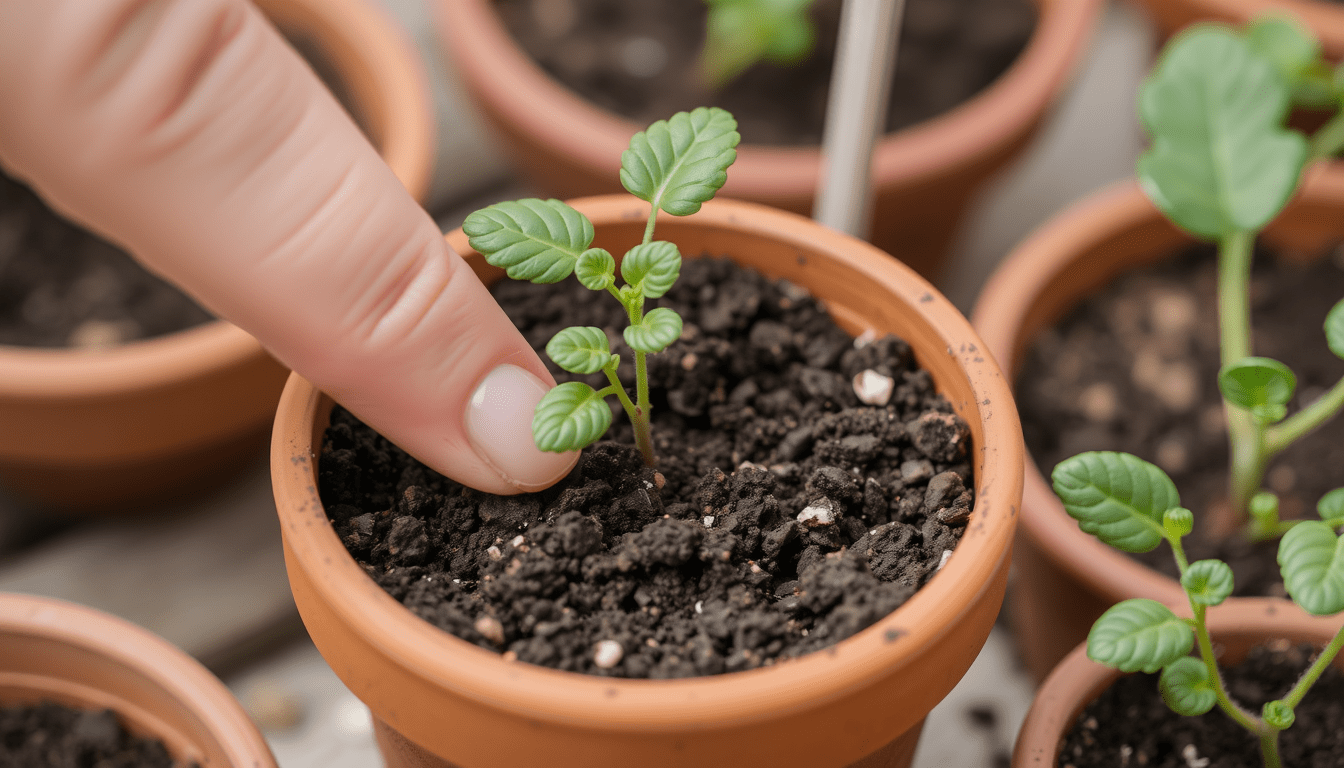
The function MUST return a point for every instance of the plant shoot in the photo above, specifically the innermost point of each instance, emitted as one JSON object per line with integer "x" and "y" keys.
{"x": 739, "y": 33}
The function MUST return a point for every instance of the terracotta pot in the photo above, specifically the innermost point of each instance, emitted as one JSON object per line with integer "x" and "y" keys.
{"x": 58, "y": 651}
{"x": 149, "y": 421}
{"x": 1078, "y": 680}
{"x": 440, "y": 701}
{"x": 923, "y": 176}
{"x": 1324, "y": 18}
{"x": 1064, "y": 578}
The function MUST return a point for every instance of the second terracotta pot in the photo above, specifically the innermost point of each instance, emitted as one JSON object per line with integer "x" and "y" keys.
{"x": 1064, "y": 578}
{"x": 439, "y": 700}
{"x": 1323, "y": 17}
{"x": 923, "y": 177}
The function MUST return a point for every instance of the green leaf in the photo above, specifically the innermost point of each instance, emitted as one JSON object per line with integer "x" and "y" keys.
{"x": 1294, "y": 53}
{"x": 1178, "y": 522}
{"x": 1260, "y": 385}
{"x": 1187, "y": 688}
{"x": 1334, "y": 329}
{"x": 1207, "y": 582}
{"x": 570, "y": 417}
{"x": 580, "y": 350}
{"x": 1119, "y": 498}
{"x": 596, "y": 269}
{"x": 659, "y": 328}
{"x": 537, "y": 240}
{"x": 1311, "y": 559}
{"x": 1278, "y": 714}
{"x": 679, "y": 163}
{"x": 652, "y": 268}
{"x": 1221, "y": 160}
{"x": 738, "y": 33}
{"x": 1331, "y": 505}
{"x": 1139, "y": 635}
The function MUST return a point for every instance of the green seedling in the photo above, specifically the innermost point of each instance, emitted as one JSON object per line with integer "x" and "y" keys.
{"x": 1133, "y": 505}
{"x": 675, "y": 165}
{"x": 739, "y": 33}
{"x": 1223, "y": 164}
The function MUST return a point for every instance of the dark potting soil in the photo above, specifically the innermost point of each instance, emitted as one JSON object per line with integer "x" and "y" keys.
{"x": 640, "y": 60}
{"x": 1129, "y": 725}
{"x": 61, "y": 285}
{"x": 701, "y": 565}
{"x": 50, "y": 735}
{"x": 1135, "y": 369}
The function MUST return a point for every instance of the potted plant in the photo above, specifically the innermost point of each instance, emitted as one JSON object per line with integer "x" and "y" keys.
{"x": 78, "y": 657}
{"x": 1078, "y": 680}
{"x": 1066, "y": 579}
{"x": 136, "y": 423}
{"x": 874, "y": 687}
{"x": 923, "y": 176}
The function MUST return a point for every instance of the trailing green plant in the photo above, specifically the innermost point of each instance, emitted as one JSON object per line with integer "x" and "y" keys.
{"x": 1223, "y": 164}
{"x": 1133, "y": 506}
{"x": 676, "y": 165}
{"x": 739, "y": 33}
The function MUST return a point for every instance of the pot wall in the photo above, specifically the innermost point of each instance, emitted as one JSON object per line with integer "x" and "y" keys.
{"x": 831, "y": 708}
{"x": 923, "y": 176}
{"x": 1324, "y": 18}
{"x": 1064, "y": 578}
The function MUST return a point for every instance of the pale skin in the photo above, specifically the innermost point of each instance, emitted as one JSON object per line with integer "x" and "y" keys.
{"x": 189, "y": 133}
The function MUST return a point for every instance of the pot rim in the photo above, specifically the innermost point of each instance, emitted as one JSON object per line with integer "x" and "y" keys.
{"x": 969, "y": 134}
{"x": 118, "y": 643}
{"x": 671, "y": 705}
{"x": 1008, "y": 302}
{"x": 1324, "y": 18}
{"x": 1077, "y": 680}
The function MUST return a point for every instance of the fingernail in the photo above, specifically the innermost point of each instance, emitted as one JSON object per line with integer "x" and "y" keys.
{"x": 499, "y": 426}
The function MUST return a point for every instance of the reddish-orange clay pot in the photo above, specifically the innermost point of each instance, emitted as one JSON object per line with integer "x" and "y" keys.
{"x": 440, "y": 701}
{"x": 923, "y": 176}
{"x": 1064, "y": 578}
{"x": 1078, "y": 680}
{"x": 133, "y": 425}
{"x": 79, "y": 657}
{"x": 1324, "y": 18}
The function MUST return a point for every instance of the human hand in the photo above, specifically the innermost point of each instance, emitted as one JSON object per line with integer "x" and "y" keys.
{"x": 188, "y": 132}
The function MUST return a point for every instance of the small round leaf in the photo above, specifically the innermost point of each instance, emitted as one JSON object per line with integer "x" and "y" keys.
{"x": 537, "y": 240}
{"x": 570, "y": 417}
{"x": 1208, "y": 582}
{"x": 1334, "y": 329}
{"x": 1331, "y": 505}
{"x": 659, "y": 328}
{"x": 1258, "y": 384}
{"x": 580, "y": 350}
{"x": 1178, "y": 522}
{"x": 1278, "y": 715}
{"x": 1186, "y": 687}
{"x": 1311, "y": 559}
{"x": 1119, "y": 498}
{"x": 596, "y": 269}
{"x": 652, "y": 268}
{"x": 1139, "y": 635}
{"x": 679, "y": 163}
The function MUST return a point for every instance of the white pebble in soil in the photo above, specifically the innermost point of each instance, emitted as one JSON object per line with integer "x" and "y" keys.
{"x": 643, "y": 57}
{"x": 490, "y": 628}
{"x": 607, "y": 654}
{"x": 873, "y": 388}
{"x": 819, "y": 513}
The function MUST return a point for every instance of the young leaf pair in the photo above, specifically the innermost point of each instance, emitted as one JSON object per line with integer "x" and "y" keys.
{"x": 675, "y": 165}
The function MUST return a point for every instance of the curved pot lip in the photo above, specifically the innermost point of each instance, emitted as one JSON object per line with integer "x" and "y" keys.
{"x": 452, "y": 663}
{"x": 1077, "y": 680}
{"x": 1000, "y": 311}
{"x": 148, "y": 655}
{"x": 54, "y": 373}
{"x": 984, "y": 125}
{"x": 383, "y": 69}
{"x": 1325, "y": 18}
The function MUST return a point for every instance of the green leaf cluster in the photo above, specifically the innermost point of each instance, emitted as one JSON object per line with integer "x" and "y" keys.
{"x": 676, "y": 165}
{"x": 739, "y": 33}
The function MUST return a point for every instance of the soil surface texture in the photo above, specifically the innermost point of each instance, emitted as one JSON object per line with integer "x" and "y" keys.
{"x": 784, "y": 515}
{"x": 50, "y": 735}
{"x": 640, "y": 60}
{"x": 1129, "y": 725}
{"x": 1135, "y": 369}
{"x": 63, "y": 286}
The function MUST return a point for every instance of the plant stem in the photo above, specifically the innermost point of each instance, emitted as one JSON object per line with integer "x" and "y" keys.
{"x": 648, "y": 229}
{"x": 1269, "y": 749}
{"x": 1283, "y": 434}
{"x": 1245, "y": 434}
{"x": 619, "y": 391}
{"x": 1318, "y": 667}
{"x": 639, "y": 416}
{"x": 1329, "y": 138}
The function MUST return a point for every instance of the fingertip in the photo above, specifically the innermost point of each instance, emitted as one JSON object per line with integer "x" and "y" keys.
{"x": 498, "y": 422}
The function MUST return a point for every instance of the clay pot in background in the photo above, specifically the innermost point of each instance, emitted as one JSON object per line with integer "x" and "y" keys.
{"x": 1078, "y": 680}
{"x": 923, "y": 176}
{"x": 438, "y": 700}
{"x": 76, "y": 656}
{"x": 1324, "y": 18}
{"x": 148, "y": 421}
{"x": 1063, "y": 578}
